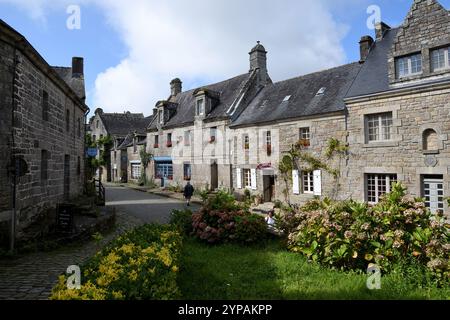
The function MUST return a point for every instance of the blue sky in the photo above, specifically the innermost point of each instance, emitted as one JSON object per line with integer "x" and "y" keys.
{"x": 115, "y": 39}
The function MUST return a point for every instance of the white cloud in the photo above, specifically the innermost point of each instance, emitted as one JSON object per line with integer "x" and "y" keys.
{"x": 204, "y": 40}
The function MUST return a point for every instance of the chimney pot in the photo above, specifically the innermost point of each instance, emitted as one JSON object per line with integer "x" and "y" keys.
{"x": 380, "y": 30}
{"x": 365, "y": 44}
{"x": 77, "y": 67}
{"x": 176, "y": 87}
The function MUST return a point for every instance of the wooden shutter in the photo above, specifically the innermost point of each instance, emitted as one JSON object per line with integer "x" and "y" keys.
{"x": 238, "y": 178}
{"x": 253, "y": 178}
{"x": 295, "y": 182}
{"x": 317, "y": 183}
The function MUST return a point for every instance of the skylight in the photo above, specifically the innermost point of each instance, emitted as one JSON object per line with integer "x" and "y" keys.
{"x": 321, "y": 91}
{"x": 287, "y": 98}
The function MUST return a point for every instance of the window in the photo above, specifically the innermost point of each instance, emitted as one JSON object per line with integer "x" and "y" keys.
{"x": 161, "y": 116}
{"x": 246, "y": 143}
{"x": 308, "y": 182}
{"x": 187, "y": 138}
{"x": 78, "y": 166}
{"x": 440, "y": 59}
{"x": 79, "y": 128}
{"x": 164, "y": 170}
{"x": 97, "y": 124}
{"x": 321, "y": 91}
{"x": 115, "y": 156}
{"x": 45, "y": 106}
{"x": 213, "y": 135}
{"x": 187, "y": 171}
{"x": 67, "y": 119}
{"x": 247, "y": 178}
{"x": 269, "y": 143}
{"x": 169, "y": 140}
{"x": 378, "y": 185}
{"x": 305, "y": 137}
{"x": 200, "y": 111}
{"x": 156, "y": 145}
{"x": 287, "y": 98}
{"x": 136, "y": 171}
{"x": 94, "y": 138}
{"x": 409, "y": 66}
{"x": 44, "y": 165}
{"x": 379, "y": 127}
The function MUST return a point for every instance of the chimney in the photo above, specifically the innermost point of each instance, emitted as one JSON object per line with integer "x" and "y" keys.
{"x": 77, "y": 67}
{"x": 380, "y": 30}
{"x": 176, "y": 87}
{"x": 364, "y": 47}
{"x": 258, "y": 61}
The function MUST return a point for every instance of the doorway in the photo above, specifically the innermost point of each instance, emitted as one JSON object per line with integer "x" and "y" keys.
{"x": 433, "y": 192}
{"x": 269, "y": 188}
{"x": 214, "y": 176}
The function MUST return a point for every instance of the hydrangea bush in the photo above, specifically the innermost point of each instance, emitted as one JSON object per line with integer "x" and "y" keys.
{"x": 222, "y": 219}
{"x": 351, "y": 235}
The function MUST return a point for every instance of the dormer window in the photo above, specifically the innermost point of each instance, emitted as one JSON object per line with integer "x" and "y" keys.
{"x": 161, "y": 116}
{"x": 200, "y": 111}
{"x": 409, "y": 65}
{"x": 440, "y": 59}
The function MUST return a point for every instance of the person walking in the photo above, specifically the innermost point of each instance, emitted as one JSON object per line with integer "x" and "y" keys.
{"x": 188, "y": 193}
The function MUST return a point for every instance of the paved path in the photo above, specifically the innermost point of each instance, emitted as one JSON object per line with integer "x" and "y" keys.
{"x": 32, "y": 276}
{"x": 143, "y": 205}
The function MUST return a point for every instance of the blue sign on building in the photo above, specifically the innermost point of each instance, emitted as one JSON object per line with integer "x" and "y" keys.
{"x": 92, "y": 152}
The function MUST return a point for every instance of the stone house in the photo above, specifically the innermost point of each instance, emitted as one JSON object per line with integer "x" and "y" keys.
{"x": 308, "y": 110}
{"x": 399, "y": 109}
{"x": 189, "y": 133}
{"x": 135, "y": 168}
{"x": 117, "y": 126}
{"x": 43, "y": 115}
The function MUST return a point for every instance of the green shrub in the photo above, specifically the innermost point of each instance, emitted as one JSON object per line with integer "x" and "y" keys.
{"x": 351, "y": 235}
{"x": 249, "y": 228}
{"x": 141, "y": 265}
{"x": 182, "y": 220}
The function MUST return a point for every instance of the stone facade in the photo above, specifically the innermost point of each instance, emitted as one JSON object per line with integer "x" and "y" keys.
{"x": 51, "y": 142}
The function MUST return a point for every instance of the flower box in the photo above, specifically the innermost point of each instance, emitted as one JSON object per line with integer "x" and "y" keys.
{"x": 187, "y": 178}
{"x": 169, "y": 145}
{"x": 212, "y": 140}
{"x": 305, "y": 143}
{"x": 156, "y": 146}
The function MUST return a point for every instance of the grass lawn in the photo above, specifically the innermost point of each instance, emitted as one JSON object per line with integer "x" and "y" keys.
{"x": 232, "y": 272}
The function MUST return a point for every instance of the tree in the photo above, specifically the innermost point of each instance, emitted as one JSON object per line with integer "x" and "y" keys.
{"x": 145, "y": 160}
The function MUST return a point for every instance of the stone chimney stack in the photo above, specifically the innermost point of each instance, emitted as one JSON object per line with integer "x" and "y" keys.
{"x": 77, "y": 67}
{"x": 380, "y": 30}
{"x": 176, "y": 87}
{"x": 364, "y": 47}
{"x": 258, "y": 61}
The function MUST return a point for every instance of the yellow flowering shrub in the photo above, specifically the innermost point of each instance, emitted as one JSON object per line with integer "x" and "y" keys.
{"x": 141, "y": 265}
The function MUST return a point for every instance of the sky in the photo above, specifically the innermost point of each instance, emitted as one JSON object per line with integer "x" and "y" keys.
{"x": 134, "y": 48}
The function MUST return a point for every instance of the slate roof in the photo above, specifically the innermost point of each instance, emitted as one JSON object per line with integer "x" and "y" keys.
{"x": 77, "y": 83}
{"x": 185, "y": 113}
{"x": 374, "y": 77}
{"x": 121, "y": 124}
{"x": 269, "y": 106}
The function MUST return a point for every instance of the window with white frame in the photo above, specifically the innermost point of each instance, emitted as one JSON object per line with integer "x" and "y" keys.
{"x": 187, "y": 138}
{"x": 247, "y": 178}
{"x": 379, "y": 127}
{"x": 136, "y": 171}
{"x": 268, "y": 138}
{"x": 308, "y": 182}
{"x": 440, "y": 59}
{"x": 409, "y": 65}
{"x": 378, "y": 185}
{"x": 305, "y": 137}
{"x": 161, "y": 116}
{"x": 200, "y": 107}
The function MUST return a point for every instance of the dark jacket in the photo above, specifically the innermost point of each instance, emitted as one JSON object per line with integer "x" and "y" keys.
{"x": 188, "y": 191}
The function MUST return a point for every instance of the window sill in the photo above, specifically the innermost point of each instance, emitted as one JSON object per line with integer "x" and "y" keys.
{"x": 381, "y": 144}
{"x": 429, "y": 152}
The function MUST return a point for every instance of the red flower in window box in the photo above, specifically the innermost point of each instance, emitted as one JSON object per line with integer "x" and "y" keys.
{"x": 212, "y": 140}
{"x": 305, "y": 143}
{"x": 187, "y": 178}
{"x": 156, "y": 146}
{"x": 170, "y": 177}
{"x": 169, "y": 144}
